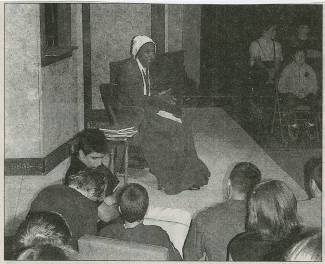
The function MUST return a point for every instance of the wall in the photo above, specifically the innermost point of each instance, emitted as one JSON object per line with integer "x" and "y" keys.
{"x": 112, "y": 26}
{"x": 184, "y": 27}
{"x": 22, "y": 93}
{"x": 61, "y": 83}
{"x": 174, "y": 32}
{"x": 21, "y": 190}
{"x": 191, "y": 40}
{"x": 42, "y": 111}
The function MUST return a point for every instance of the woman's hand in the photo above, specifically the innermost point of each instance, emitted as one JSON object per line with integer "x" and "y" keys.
{"x": 167, "y": 97}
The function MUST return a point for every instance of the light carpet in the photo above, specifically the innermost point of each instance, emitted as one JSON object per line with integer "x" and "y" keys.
{"x": 220, "y": 143}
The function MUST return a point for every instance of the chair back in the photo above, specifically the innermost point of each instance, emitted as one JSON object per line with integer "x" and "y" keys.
{"x": 108, "y": 92}
{"x": 102, "y": 248}
{"x": 115, "y": 69}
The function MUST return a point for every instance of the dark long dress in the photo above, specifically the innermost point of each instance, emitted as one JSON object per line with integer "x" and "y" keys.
{"x": 168, "y": 146}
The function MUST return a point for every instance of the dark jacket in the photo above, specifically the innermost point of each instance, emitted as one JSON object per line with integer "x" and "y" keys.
{"x": 79, "y": 212}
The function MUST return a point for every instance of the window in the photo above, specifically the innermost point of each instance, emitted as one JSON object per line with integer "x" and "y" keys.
{"x": 55, "y": 32}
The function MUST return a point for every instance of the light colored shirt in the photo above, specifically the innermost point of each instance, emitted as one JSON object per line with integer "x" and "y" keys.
{"x": 263, "y": 50}
{"x": 143, "y": 72}
{"x": 298, "y": 80}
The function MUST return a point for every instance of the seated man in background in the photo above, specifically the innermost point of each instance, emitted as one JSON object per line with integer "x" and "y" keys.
{"x": 133, "y": 204}
{"x": 165, "y": 137}
{"x": 298, "y": 83}
{"x": 76, "y": 202}
{"x": 213, "y": 228}
{"x": 311, "y": 210}
{"x": 43, "y": 236}
{"x": 90, "y": 153}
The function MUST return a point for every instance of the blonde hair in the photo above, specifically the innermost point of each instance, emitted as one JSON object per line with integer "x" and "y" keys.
{"x": 272, "y": 210}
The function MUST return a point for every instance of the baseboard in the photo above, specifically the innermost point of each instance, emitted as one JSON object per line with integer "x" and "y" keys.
{"x": 39, "y": 166}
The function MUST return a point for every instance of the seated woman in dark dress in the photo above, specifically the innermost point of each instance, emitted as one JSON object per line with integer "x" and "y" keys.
{"x": 165, "y": 135}
{"x": 272, "y": 226}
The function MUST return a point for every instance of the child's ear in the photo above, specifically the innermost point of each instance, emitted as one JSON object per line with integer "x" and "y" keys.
{"x": 28, "y": 254}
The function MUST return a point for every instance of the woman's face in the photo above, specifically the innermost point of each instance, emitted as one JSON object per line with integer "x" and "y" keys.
{"x": 146, "y": 54}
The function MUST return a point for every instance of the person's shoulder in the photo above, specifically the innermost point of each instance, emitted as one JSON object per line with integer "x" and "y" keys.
{"x": 109, "y": 229}
{"x": 308, "y": 67}
{"x": 155, "y": 231}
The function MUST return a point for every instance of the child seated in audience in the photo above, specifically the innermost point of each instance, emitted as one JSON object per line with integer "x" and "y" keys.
{"x": 133, "y": 204}
{"x": 272, "y": 225}
{"x": 76, "y": 202}
{"x": 213, "y": 228}
{"x": 90, "y": 153}
{"x": 311, "y": 210}
{"x": 43, "y": 236}
{"x": 299, "y": 84}
{"x": 308, "y": 249}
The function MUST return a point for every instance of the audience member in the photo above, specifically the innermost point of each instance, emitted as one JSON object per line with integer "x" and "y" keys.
{"x": 298, "y": 85}
{"x": 43, "y": 236}
{"x": 265, "y": 59}
{"x": 75, "y": 201}
{"x": 212, "y": 229}
{"x": 47, "y": 252}
{"x": 311, "y": 210}
{"x": 90, "y": 153}
{"x": 133, "y": 204}
{"x": 272, "y": 226}
{"x": 308, "y": 249}
{"x": 303, "y": 41}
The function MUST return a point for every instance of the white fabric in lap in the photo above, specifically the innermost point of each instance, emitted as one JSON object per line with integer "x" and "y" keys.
{"x": 175, "y": 222}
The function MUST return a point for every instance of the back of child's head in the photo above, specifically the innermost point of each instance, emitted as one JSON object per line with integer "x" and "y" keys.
{"x": 307, "y": 249}
{"x": 92, "y": 140}
{"x": 91, "y": 182}
{"x": 133, "y": 202}
{"x": 48, "y": 252}
{"x": 244, "y": 176}
{"x": 40, "y": 228}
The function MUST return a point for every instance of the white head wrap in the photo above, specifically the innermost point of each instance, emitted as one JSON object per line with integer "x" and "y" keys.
{"x": 138, "y": 42}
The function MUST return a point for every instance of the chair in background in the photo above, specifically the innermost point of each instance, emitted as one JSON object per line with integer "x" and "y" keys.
{"x": 303, "y": 114}
{"x": 102, "y": 248}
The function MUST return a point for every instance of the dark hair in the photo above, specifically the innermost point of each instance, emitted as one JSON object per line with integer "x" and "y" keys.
{"x": 92, "y": 140}
{"x": 295, "y": 50}
{"x": 272, "y": 211}
{"x": 133, "y": 201}
{"x": 45, "y": 252}
{"x": 266, "y": 25}
{"x": 307, "y": 249}
{"x": 41, "y": 228}
{"x": 93, "y": 181}
{"x": 244, "y": 176}
{"x": 313, "y": 172}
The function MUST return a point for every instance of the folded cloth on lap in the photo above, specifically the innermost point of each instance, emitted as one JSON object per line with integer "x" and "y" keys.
{"x": 169, "y": 116}
{"x": 175, "y": 222}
